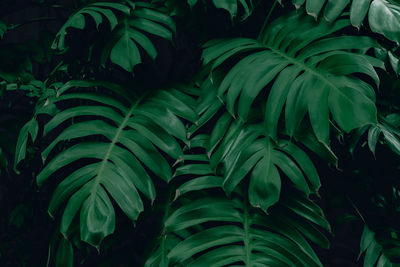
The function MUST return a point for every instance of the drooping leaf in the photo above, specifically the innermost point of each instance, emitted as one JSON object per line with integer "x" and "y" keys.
{"x": 30, "y": 130}
{"x": 133, "y": 136}
{"x": 254, "y": 238}
{"x": 311, "y": 74}
{"x": 96, "y": 11}
{"x": 246, "y": 150}
{"x": 230, "y": 231}
{"x": 65, "y": 254}
{"x": 234, "y": 7}
{"x": 358, "y": 11}
{"x": 375, "y": 254}
{"x": 388, "y": 128}
{"x": 384, "y": 18}
{"x": 383, "y": 15}
{"x": 3, "y": 29}
{"x": 133, "y": 33}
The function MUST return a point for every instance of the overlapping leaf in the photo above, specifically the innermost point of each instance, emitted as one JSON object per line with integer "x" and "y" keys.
{"x": 375, "y": 254}
{"x": 388, "y": 128}
{"x": 96, "y": 11}
{"x": 30, "y": 130}
{"x": 166, "y": 240}
{"x": 130, "y": 34}
{"x": 232, "y": 6}
{"x": 384, "y": 18}
{"x": 197, "y": 176}
{"x": 230, "y": 231}
{"x": 244, "y": 236}
{"x": 391, "y": 60}
{"x": 132, "y": 136}
{"x": 236, "y": 149}
{"x": 383, "y": 15}
{"x": 133, "y": 33}
{"x": 246, "y": 150}
{"x": 310, "y": 72}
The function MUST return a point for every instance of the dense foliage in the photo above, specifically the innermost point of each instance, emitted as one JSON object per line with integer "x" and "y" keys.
{"x": 200, "y": 133}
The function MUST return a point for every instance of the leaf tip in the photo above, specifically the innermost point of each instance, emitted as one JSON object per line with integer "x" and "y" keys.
{"x": 314, "y": 15}
{"x": 177, "y": 194}
{"x": 50, "y": 214}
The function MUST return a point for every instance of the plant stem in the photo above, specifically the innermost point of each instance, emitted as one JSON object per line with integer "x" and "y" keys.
{"x": 356, "y": 209}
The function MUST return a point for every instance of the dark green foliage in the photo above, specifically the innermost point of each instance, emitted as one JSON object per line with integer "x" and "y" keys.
{"x": 200, "y": 133}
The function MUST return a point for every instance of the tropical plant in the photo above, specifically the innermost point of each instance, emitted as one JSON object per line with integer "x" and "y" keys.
{"x": 158, "y": 140}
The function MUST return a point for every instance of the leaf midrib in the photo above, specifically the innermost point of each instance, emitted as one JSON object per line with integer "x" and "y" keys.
{"x": 314, "y": 72}
{"x": 303, "y": 66}
{"x": 106, "y": 158}
{"x": 246, "y": 227}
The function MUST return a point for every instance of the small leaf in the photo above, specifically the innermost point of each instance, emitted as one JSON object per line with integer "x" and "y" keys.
{"x": 31, "y": 129}
{"x": 358, "y": 11}
{"x": 384, "y": 18}
{"x": 125, "y": 53}
{"x": 65, "y": 254}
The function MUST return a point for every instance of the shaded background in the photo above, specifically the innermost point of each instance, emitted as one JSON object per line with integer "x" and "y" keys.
{"x": 26, "y": 228}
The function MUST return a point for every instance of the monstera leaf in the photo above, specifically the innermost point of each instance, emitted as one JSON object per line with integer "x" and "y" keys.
{"x": 236, "y": 149}
{"x": 391, "y": 59}
{"x": 29, "y": 131}
{"x": 232, "y": 6}
{"x": 246, "y": 150}
{"x": 132, "y": 35}
{"x": 236, "y": 8}
{"x": 383, "y": 15}
{"x": 374, "y": 253}
{"x": 388, "y": 127}
{"x": 384, "y": 18}
{"x": 230, "y": 231}
{"x": 239, "y": 234}
{"x": 310, "y": 71}
{"x": 96, "y": 11}
{"x": 114, "y": 166}
{"x": 129, "y": 35}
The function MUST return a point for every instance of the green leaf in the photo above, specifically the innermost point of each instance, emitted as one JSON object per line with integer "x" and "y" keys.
{"x": 65, "y": 254}
{"x": 31, "y": 129}
{"x": 313, "y": 75}
{"x": 96, "y": 11}
{"x": 233, "y": 7}
{"x": 107, "y": 10}
{"x": 313, "y": 7}
{"x": 3, "y": 29}
{"x": 125, "y": 53}
{"x": 374, "y": 253}
{"x": 133, "y": 33}
{"x": 334, "y": 9}
{"x": 351, "y": 108}
{"x": 383, "y": 15}
{"x": 373, "y": 136}
{"x": 245, "y": 150}
{"x": 253, "y": 238}
{"x": 358, "y": 11}
{"x": 229, "y": 5}
{"x": 384, "y": 18}
{"x": 119, "y": 166}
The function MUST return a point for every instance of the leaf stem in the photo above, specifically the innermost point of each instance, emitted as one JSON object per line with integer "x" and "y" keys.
{"x": 246, "y": 226}
{"x": 356, "y": 209}
{"x": 164, "y": 234}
